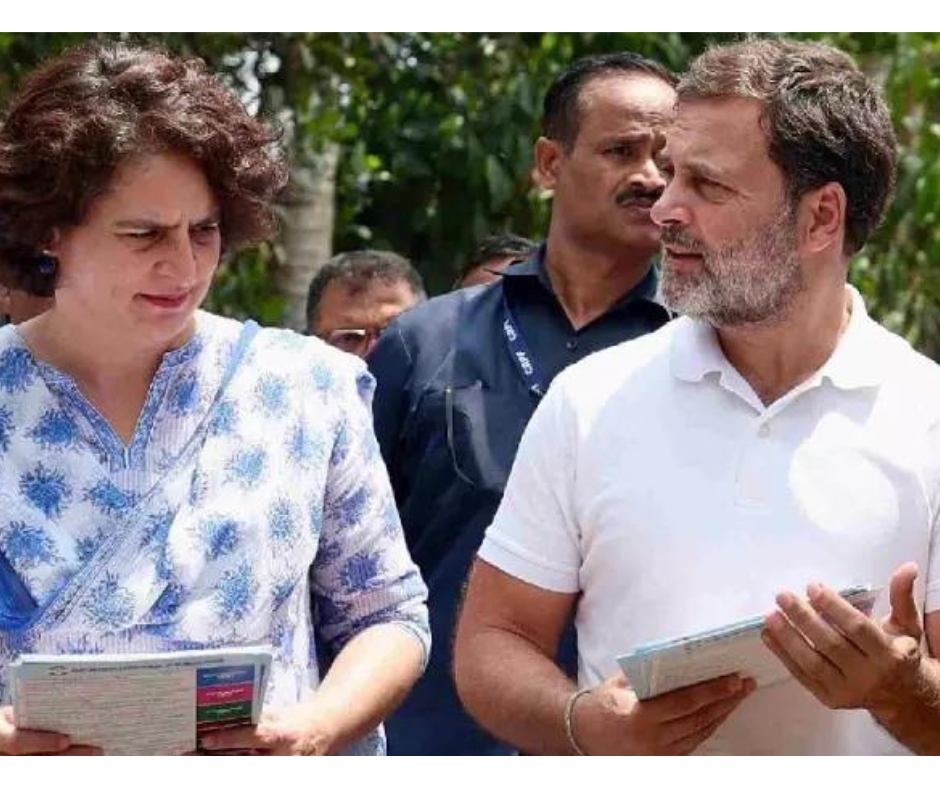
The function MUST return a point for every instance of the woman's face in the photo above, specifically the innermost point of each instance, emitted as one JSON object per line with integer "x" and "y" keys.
{"x": 142, "y": 261}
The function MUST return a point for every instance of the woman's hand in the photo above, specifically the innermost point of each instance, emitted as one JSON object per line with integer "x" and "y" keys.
{"x": 16, "y": 741}
{"x": 290, "y": 730}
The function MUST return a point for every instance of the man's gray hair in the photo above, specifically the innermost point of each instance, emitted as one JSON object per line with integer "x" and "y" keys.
{"x": 824, "y": 119}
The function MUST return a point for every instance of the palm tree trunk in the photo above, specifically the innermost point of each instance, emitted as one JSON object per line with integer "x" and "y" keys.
{"x": 307, "y": 210}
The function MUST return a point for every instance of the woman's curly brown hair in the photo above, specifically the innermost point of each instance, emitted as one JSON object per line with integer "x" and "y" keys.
{"x": 78, "y": 116}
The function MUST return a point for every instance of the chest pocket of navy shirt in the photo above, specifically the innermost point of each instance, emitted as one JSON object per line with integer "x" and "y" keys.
{"x": 484, "y": 427}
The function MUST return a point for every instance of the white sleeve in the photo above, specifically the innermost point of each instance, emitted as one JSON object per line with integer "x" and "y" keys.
{"x": 534, "y": 535}
{"x": 932, "y": 573}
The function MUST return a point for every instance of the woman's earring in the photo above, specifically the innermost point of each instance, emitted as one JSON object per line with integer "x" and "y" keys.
{"x": 47, "y": 264}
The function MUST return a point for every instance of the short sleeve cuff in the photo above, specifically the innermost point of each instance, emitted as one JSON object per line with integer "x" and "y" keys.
{"x": 932, "y": 597}
{"x": 422, "y": 635}
{"x": 525, "y": 565}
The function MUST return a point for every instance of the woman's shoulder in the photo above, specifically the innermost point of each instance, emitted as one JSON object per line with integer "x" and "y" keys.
{"x": 17, "y": 366}
{"x": 9, "y": 338}
{"x": 283, "y": 352}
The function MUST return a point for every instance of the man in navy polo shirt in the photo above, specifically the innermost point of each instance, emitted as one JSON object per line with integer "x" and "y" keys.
{"x": 460, "y": 376}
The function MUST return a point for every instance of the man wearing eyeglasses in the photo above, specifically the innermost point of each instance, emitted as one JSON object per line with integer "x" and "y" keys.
{"x": 355, "y": 295}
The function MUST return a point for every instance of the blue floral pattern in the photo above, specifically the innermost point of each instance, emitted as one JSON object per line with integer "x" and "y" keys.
{"x": 46, "y": 489}
{"x": 362, "y": 570}
{"x": 222, "y": 520}
{"x": 6, "y": 428}
{"x": 271, "y": 394}
{"x": 109, "y": 604}
{"x": 27, "y": 546}
{"x": 219, "y": 536}
{"x": 225, "y": 420}
{"x": 283, "y": 591}
{"x": 16, "y": 370}
{"x": 304, "y": 448}
{"x": 235, "y": 593}
{"x": 87, "y": 546}
{"x": 184, "y": 396}
{"x": 247, "y": 466}
{"x": 167, "y": 605}
{"x": 107, "y": 498}
{"x": 282, "y": 522}
{"x": 55, "y": 430}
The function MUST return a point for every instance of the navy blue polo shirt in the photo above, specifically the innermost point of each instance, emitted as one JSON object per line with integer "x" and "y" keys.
{"x": 450, "y": 407}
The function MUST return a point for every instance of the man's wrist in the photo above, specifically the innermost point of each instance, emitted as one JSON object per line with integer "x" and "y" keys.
{"x": 903, "y": 689}
{"x": 569, "y": 720}
{"x": 910, "y": 711}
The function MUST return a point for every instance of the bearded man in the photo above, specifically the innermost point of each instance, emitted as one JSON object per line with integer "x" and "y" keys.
{"x": 791, "y": 446}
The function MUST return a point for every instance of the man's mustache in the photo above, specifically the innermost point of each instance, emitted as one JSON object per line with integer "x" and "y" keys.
{"x": 671, "y": 235}
{"x": 645, "y": 197}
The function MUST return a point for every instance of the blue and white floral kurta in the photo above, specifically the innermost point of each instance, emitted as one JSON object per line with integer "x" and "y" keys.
{"x": 236, "y": 503}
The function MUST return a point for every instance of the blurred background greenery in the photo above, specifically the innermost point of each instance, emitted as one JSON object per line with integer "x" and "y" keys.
{"x": 422, "y": 143}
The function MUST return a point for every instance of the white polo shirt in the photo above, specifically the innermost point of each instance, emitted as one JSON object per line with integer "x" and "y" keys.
{"x": 653, "y": 481}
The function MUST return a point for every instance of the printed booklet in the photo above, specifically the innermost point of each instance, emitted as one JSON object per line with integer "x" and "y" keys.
{"x": 140, "y": 704}
{"x": 666, "y": 665}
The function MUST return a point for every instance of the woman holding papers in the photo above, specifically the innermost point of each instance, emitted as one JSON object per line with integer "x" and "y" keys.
{"x": 171, "y": 479}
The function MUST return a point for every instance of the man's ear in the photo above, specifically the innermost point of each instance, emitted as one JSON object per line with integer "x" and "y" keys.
{"x": 822, "y": 218}
{"x": 548, "y": 159}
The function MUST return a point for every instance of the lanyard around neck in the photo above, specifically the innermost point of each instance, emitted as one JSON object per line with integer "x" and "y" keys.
{"x": 521, "y": 355}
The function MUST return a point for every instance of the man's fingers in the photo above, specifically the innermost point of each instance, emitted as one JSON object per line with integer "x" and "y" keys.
{"x": 801, "y": 652}
{"x": 857, "y": 627}
{"x": 691, "y": 742}
{"x": 703, "y": 719}
{"x": 688, "y": 700}
{"x": 826, "y": 639}
{"x": 811, "y": 683}
{"x": 905, "y": 617}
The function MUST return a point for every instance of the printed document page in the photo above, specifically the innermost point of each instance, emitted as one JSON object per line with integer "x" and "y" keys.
{"x": 140, "y": 704}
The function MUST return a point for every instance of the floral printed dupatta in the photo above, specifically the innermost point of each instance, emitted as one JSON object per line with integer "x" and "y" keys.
{"x": 52, "y": 596}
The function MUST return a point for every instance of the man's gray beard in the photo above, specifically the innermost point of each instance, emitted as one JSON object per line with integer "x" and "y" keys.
{"x": 753, "y": 282}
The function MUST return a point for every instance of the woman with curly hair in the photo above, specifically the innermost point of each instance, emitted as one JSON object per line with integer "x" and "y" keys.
{"x": 171, "y": 479}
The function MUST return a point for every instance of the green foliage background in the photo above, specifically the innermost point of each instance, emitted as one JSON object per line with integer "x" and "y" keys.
{"x": 436, "y": 133}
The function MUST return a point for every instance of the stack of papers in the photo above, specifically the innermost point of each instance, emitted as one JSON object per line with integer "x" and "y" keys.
{"x": 140, "y": 704}
{"x": 666, "y": 665}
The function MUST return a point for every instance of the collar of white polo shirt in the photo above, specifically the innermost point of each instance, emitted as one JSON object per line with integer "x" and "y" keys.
{"x": 859, "y": 360}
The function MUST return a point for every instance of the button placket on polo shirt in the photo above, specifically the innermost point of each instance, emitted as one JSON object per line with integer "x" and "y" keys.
{"x": 758, "y": 470}
{"x": 754, "y": 482}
